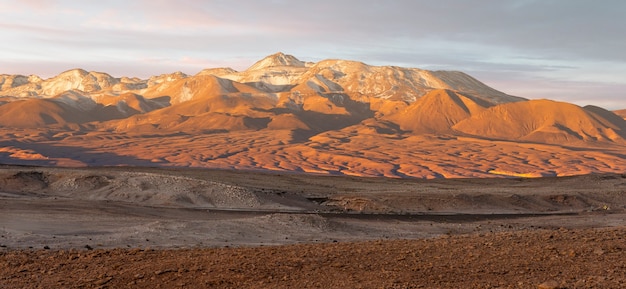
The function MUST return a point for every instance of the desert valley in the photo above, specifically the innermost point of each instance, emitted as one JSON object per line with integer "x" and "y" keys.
{"x": 293, "y": 174}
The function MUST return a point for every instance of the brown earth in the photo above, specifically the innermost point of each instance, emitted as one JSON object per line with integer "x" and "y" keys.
{"x": 591, "y": 258}
{"x": 184, "y": 228}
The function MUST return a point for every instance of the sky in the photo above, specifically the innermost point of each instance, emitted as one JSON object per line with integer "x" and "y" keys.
{"x": 566, "y": 50}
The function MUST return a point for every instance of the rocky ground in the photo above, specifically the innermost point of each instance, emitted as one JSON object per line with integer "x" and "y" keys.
{"x": 589, "y": 258}
{"x": 175, "y": 228}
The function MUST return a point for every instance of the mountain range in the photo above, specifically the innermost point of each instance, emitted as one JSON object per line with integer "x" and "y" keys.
{"x": 332, "y": 117}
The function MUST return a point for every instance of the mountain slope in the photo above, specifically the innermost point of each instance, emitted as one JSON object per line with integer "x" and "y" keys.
{"x": 202, "y": 103}
{"x": 72, "y": 107}
{"x": 190, "y": 88}
{"x": 131, "y": 103}
{"x": 33, "y": 113}
{"x": 543, "y": 121}
{"x": 331, "y": 117}
{"x": 285, "y": 73}
{"x": 621, "y": 113}
{"x": 277, "y": 73}
{"x": 283, "y": 92}
{"x": 436, "y": 112}
{"x": 9, "y": 81}
{"x": 276, "y": 60}
{"x": 75, "y": 79}
{"x": 397, "y": 83}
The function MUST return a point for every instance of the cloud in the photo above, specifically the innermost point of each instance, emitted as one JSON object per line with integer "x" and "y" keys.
{"x": 522, "y": 40}
{"x": 152, "y": 18}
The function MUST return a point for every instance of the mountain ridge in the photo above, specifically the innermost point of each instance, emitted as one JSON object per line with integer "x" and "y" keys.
{"x": 281, "y": 88}
{"x": 337, "y": 116}
{"x": 292, "y": 70}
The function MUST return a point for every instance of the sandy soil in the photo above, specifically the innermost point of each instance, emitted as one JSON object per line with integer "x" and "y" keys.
{"x": 142, "y": 227}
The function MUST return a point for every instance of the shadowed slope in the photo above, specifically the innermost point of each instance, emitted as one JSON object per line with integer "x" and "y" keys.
{"x": 608, "y": 119}
{"x": 621, "y": 113}
{"x": 9, "y": 81}
{"x": 465, "y": 83}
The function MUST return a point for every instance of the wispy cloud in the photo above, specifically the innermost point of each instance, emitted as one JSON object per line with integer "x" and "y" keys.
{"x": 559, "y": 40}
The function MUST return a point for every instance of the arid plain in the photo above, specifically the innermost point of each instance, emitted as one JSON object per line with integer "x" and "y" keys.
{"x": 378, "y": 176}
{"x": 147, "y": 227}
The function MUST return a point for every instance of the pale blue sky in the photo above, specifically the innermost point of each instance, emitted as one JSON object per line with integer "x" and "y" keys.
{"x": 566, "y": 50}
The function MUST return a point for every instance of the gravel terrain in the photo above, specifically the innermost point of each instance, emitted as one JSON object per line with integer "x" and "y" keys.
{"x": 588, "y": 258}
{"x": 125, "y": 227}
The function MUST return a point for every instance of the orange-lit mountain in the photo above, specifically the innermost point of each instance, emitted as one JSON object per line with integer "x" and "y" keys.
{"x": 333, "y": 116}
{"x": 545, "y": 121}
{"x": 437, "y": 112}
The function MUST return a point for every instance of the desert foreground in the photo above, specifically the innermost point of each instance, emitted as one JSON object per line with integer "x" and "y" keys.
{"x": 117, "y": 227}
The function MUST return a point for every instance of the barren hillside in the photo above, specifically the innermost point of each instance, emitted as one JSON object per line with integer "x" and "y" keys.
{"x": 336, "y": 117}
